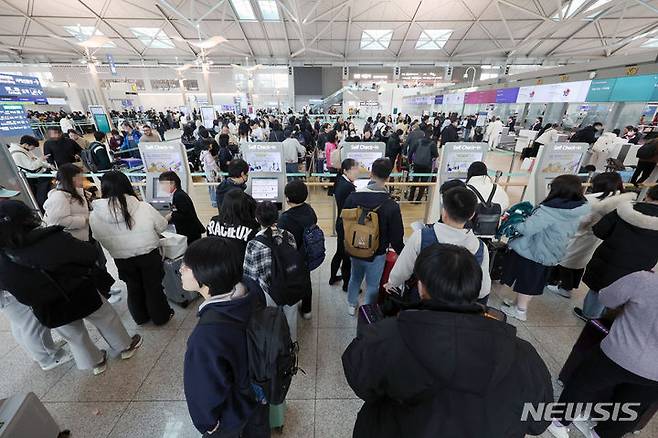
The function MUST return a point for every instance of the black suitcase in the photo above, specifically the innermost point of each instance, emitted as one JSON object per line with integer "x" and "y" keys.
{"x": 172, "y": 284}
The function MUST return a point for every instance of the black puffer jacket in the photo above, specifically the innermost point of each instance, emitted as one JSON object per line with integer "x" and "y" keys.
{"x": 67, "y": 260}
{"x": 449, "y": 373}
{"x": 630, "y": 244}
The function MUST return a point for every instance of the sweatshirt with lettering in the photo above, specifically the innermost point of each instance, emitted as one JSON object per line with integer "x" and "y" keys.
{"x": 243, "y": 233}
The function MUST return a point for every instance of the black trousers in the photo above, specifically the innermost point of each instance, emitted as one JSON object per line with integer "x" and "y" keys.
{"x": 421, "y": 190}
{"x": 599, "y": 379}
{"x": 258, "y": 426}
{"x": 143, "y": 276}
{"x": 341, "y": 260}
{"x": 642, "y": 171}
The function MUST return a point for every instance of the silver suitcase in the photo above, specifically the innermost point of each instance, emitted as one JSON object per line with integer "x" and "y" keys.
{"x": 24, "y": 416}
{"x": 172, "y": 284}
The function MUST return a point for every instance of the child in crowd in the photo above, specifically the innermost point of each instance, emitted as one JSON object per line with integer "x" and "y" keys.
{"x": 298, "y": 218}
{"x": 183, "y": 214}
{"x": 238, "y": 175}
{"x": 218, "y": 390}
{"x": 542, "y": 242}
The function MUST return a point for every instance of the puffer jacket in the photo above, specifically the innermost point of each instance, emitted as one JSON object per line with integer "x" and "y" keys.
{"x": 546, "y": 233}
{"x": 109, "y": 228}
{"x": 62, "y": 209}
{"x": 584, "y": 242}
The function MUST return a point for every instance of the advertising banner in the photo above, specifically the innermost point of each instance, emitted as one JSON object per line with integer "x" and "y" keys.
{"x": 453, "y": 99}
{"x": 634, "y": 89}
{"x": 507, "y": 95}
{"x": 562, "y": 92}
{"x": 484, "y": 96}
{"x": 600, "y": 90}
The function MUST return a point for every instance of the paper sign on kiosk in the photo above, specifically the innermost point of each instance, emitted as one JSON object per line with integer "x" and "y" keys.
{"x": 265, "y": 189}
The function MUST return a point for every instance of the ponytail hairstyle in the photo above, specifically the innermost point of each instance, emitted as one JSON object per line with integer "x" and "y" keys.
{"x": 65, "y": 175}
{"x": 115, "y": 186}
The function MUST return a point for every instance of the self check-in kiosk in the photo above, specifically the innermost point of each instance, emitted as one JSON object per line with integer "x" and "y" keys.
{"x": 267, "y": 173}
{"x": 161, "y": 157}
{"x": 455, "y": 159}
{"x": 552, "y": 161}
{"x": 364, "y": 153}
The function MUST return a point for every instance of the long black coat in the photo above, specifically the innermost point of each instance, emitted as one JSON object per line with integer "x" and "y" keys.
{"x": 67, "y": 260}
{"x": 184, "y": 217}
{"x": 445, "y": 373}
{"x": 630, "y": 244}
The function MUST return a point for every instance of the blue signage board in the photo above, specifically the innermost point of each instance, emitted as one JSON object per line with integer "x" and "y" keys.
{"x": 21, "y": 89}
{"x": 507, "y": 95}
{"x": 634, "y": 89}
{"x": 600, "y": 90}
{"x": 438, "y": 100}
{"x": 113, "y": 66}
{"x": 14, "y": 121}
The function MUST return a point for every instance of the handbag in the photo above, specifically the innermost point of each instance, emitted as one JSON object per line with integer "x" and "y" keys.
{"x": 172, "y": 245}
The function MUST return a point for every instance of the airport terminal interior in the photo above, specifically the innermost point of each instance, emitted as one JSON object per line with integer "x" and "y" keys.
{"x": 204, "y": 205}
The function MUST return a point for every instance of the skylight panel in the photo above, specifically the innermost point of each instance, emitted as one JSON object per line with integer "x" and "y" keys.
{"x": 152, "y": 37}
{"x": 570, "y": 8}
{"x": 83, "y": 33}
{"x": 243, "y": 9}
{"x": 651, "y": 43}
{"x": 268, "y": 10}
{"x": 376, "y": 39}
{"x": 433, "y": 39}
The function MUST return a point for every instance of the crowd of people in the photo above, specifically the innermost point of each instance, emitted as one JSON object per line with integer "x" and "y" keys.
{"x": 443, "y": 365}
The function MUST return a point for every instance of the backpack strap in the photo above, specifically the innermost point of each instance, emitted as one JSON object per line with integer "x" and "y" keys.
{"x": 427, "y": 236}
{"x": 491, "y": 195}
{"x": 477, "y": 193}
{"x": 479, "y": 255}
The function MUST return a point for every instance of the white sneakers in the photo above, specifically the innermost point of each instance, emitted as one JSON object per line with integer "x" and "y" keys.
{"x": 509, "y": 308}
{"x": 307, "y": 316}
{"x": 351, "y": 310}
{"x": 63, "y": 356}
{"x": 558, "y": 291}
{"x": 558, "y": 430}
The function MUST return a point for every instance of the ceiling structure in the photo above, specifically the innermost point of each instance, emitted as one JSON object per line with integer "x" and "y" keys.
{"x": 336, "y": 32}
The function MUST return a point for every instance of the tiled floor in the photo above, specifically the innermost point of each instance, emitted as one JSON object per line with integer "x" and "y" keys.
{"x": 143, "y": 397}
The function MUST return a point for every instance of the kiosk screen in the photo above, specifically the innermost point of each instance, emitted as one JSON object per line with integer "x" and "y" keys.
{"x": 266, "y": 189}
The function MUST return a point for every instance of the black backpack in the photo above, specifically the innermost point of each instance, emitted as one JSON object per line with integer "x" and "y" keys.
{"x": 423, "y": 154}
{"x": 291, "y": 279}
{"x": 271, "y": 351}
{"x": 646, "y": 151}
{"x": 88, "y": 159}
{"x": 487, "y": 214}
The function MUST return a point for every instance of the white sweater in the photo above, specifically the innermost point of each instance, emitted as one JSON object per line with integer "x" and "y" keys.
{"x": 404, "y": 266}
{"x": 62, "y": 209}
{"x": 484, "y": 184}
{"x": 26, "y": 160}
{"x": 110, "y": 230}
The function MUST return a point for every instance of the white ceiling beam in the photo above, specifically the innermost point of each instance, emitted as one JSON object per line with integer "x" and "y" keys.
{"x": 647, "y": 5}
{"x": 244, "y": 35}
{"x": 476, "y": 21}
{"x": 623, "y": 43}
{"x": 323, "y": 30}
{"x": 604, "y": 43}
{"x": 323, "y": 52}
{"x": 406, "y": 32}
{"x": 210, "y": 11}
{"x": 133, "y": 48}
{"x": 522, "y": 9}
{"x": 348, "y": 30}
{"x": 178, "y": 32}
{"x": 334, "y": 10}
{"x": 311, "y": 11}
{"x": 507, "y": 28}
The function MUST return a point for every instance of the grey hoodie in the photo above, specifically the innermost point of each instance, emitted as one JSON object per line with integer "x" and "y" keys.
{"x": 404, "y": 266}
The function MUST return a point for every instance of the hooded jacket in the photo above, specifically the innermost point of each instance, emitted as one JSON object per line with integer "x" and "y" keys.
{"x": 584, "y": 242}
{"x": 109, "y": 228}
{"x": 588, "y": 134}
{"x": 216, "y": 370}
{"x": 546, "y": 233}
{"x": 226, "y": 186}
{"x": 295, "y": 220}
{"x": 67, "y": 260}
{"x": 404, "y": 266}
{"x": 630, "y": 242}
{"x": 449, "y": 373}
{"x": 62, "y": 209}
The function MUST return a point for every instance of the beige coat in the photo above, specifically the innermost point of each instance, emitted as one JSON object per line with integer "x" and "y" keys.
{"x": 62, "y": 209}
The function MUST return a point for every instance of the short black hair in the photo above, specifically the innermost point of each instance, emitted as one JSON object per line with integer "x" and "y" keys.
{"x": 450, "y": 274}
{"x": 347, "y": 164}
{"x": 477, "y": 168}
{"x": 597, "y": 124}
{"x": 29, "y": 140}
{"x": 296, "y": 191}
{"x": 607, "y": 183}
{"x": 55, "y": 128}
{"x": 216, "y": 262}
{"x": 451, "y": 184}
{"x": 652, "y": 194}
{"x": 566, "y": 187}
{"x": 99, "y": 136}
{"x": 266, "y": 213}
{"x": 460, "y": 203}
{"x": 382, "y": 168}
{"x": 170, "y": 175}
{"x": 238, "y": 208}
{"x": 237, "y": 167}
{"x": 16, "y": 220}
{"x": 331, "y": 136}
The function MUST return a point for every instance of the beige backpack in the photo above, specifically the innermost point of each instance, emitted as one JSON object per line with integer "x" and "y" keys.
{"x": 361, "y": 227}
{"x": 334, "y": 159}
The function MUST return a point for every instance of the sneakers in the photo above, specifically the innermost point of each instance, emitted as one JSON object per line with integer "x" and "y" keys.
{"x": 102, "y": 365}
{"x": 509, "y": 302}
{"x": 579, "y": 314}
{"x": 514, "y": 312}
{"x": 351, "y": 310}
{"x": 585, "y": 427}
{"x": 307, "y": 316}
{"x": 114, "y": 299}
{"x": 115, "y": 290}
{"x": 134, "y": 345}
{"x": 559, "y": 291}
{"x": 61, "y": 357}
{"x": 334, "y": 280}
{"x": 558, "y": 430}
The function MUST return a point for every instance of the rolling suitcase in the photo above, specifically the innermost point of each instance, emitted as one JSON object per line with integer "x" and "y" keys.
{"x": 24, "y": 416}
{"x": 172, "y": 284}
{"x": 277, "y": 417}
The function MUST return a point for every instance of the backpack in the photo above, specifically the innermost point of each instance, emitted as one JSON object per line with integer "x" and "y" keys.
{"x": 423, "y": 154}
{"x": 487, "y": 214}
{"x": 272, "y": 353}
{"x": 87, "y": 158}
{"x": 361, "y": 227}
{"x": 291, "y": 279}
{"x": 647, "y": 151}
{"x": 334, "y": 159}
{"x": 314, "y": 246}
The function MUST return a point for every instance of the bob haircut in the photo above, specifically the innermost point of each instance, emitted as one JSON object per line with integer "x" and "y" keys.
{"x": 216, "y": 262}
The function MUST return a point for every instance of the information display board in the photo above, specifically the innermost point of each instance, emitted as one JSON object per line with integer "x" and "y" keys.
{"x": 365, "y": 153}
{"x": 634, "y": 89}
{"x": 14, "y": 121}
{"x": 207, "y": 116}
{"x": 484, "y": 96}
{"x": 101, "y": 119}
{"x": 453, "y": 99}
{"x": 161, "y": 157}
{"x": 552, "y": 161}
{"x": 455, "y": 160}
{"x": 21, "y": 89}
{"x": 562, "y": 92}
{"x": 267, "y": 175}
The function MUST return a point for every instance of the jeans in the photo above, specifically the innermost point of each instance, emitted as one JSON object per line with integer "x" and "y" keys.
{"x": 421, "y": 189}
{"x": 467, "y": 134}
{"x": 341, "y": 259}
{"x": 372, "y": 271}
{"x": 212, "y": 191}
{"x": 592, "y": 307}
{"x": 292, "y": 168}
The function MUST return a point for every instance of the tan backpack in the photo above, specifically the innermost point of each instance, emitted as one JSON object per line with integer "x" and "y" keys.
{"x": 334, "y": 159}
{"x": 361, "y": 227}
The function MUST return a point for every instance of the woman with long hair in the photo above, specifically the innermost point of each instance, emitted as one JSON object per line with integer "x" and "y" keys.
{"x": 236, "y": 219}
{"x": 130, "y": 231}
